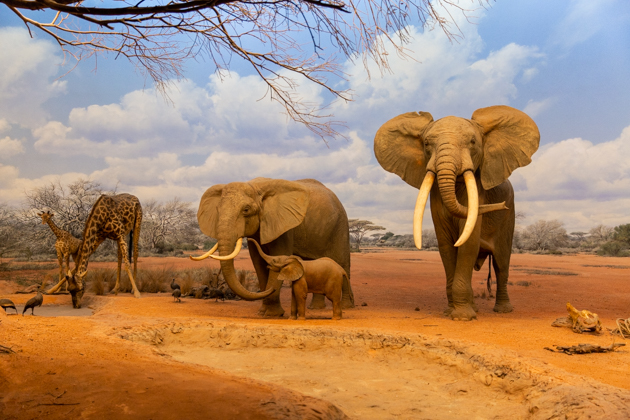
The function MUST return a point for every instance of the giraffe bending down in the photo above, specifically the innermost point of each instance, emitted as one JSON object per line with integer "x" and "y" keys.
{"x": 111, "y": 217}
{"x": 66, "y": 246}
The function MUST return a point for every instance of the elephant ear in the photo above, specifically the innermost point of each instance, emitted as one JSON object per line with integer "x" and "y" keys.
{"x": 284, "y": 205}
{"x": 398, "y": 146}
{"x": 510, "y": 138}
{"x": 292, "y": 271}
{"x": 208, "y": 213}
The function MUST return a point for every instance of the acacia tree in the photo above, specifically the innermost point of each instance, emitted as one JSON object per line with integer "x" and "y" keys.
{"x": 158, "y": 36}
{"x": 358, "y": 229}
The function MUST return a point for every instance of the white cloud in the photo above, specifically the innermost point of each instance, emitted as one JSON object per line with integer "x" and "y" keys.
{"x": 574, "y": 180}
{"x": 585, "y": 19}
{"x": 27, "y": 72}
{"x": 534, "y": 108}
{"x": 10, "y": 147}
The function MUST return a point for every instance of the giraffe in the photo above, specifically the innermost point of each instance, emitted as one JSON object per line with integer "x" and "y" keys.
{"x": 66, "y": 246}
{"x": 111, "y": 217}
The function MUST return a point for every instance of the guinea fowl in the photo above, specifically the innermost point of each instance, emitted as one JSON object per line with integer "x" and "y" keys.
{"x": 174, "y": 285}
{"x": 7, "y": 303}
{"x": 37, "y": 300}
{"x": 177, "y": 293}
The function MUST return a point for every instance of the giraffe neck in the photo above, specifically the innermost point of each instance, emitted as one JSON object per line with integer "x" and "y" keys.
{"x": 59, "y": 233}
{"x": 91, "y": 241}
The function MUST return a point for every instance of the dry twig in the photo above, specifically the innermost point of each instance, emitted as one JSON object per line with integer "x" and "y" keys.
{"x": 585, "y": 348}
{"x": 157, "y": 36}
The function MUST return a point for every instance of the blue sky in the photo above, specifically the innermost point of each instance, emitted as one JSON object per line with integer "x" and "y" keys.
{"x": 566, "y": 63}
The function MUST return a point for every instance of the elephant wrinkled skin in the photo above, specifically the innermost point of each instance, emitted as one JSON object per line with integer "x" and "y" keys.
{"x": 302, "y": 218}
{"x": 472, "y": 203}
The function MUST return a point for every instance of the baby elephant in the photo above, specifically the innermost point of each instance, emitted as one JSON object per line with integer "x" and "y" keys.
{"x": 323, "y": 276}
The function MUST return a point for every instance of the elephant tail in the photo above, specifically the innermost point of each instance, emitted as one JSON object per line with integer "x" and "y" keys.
{"x": 489, "y": 281}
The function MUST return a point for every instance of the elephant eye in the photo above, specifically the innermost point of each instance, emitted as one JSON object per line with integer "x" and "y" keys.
{"x": 247, "y": 209}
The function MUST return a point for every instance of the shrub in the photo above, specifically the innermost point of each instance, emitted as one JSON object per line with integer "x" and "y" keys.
{"x": 613, "y": 249}
{"x": 155, "y": 280}
{"x": 101, "y": 279}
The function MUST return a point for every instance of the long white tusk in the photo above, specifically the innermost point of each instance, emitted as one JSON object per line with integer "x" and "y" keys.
{"x": 421, "y": 202}
{"x": 473, "y": 207}
{"x": 234, "y": 253}
{"x": 207, "y": 254}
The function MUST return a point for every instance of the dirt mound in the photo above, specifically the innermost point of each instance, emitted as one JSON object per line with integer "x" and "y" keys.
{"x": 463, "y": 380}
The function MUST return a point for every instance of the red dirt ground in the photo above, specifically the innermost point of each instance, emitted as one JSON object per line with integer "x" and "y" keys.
{"x": 79, "y": 367}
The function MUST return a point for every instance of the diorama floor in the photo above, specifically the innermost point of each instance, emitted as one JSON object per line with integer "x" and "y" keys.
{"x": 393, "y": 356}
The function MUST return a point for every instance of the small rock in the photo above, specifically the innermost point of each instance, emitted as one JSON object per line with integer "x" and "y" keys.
{"x": 364, "y": 304}
{"x": 417, "y": 309}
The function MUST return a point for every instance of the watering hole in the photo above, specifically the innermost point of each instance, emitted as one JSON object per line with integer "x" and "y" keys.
{"x": 371, "y": 375}
{"x": 54, "y": 311}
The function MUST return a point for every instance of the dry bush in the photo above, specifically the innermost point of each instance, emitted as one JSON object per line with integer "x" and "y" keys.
{"x": 211, "y": 276}
{"x": 101, "y": 279}
{"x": 155, "y": 280}
{"x": 187, "y": 281}
{"x": 248, "y": 279}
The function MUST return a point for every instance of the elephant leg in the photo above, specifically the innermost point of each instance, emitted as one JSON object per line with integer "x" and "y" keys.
{"x": 448, "y": 254}
{"x": 501, "y": 265}
{"x": 347, "y": 296}
{"x": 335, "y": 298}
{"x": 300, "y": 290}
{"x": 271, "y": 304}
{"x": 293, "y": 304}
{"x": 462, "y": 289}
{"x": 317, "y": 302}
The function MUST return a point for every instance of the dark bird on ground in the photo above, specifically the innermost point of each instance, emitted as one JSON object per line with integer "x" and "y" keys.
{"x": 37, "y": 300}
{"x": 177, "y": 293}
{"x": 175, "y": 285}
{"x": 7, "y": 303}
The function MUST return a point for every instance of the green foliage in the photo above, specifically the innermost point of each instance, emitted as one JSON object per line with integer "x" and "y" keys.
{"x": 387, "y": 236}
{"x": 622, "y": 234}
{"x": 614, "y": 249}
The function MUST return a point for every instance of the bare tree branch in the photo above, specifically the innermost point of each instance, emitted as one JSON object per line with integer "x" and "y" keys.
{"x": 158, "y": 36}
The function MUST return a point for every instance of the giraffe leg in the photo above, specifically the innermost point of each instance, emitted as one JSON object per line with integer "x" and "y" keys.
{"x": 117, "y": 286}
{"x": 123, "y": 250}
{"x": 67, "y": 269}
{"x": 62, "y": 277}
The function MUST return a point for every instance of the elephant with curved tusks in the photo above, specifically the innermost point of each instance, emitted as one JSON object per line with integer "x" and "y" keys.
{"x": 302, "y": 218}
{"x": 472, "y": 203}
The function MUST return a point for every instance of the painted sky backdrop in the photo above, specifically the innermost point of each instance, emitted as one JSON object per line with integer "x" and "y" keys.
{"x": 565, "y": 63}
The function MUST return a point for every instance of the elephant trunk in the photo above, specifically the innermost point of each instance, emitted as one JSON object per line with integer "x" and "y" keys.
{"x": 447, "y": 171}
{"x": 264, "y": 256}
{"x": 227, "y": 267}
{"x": 446, "y": 176}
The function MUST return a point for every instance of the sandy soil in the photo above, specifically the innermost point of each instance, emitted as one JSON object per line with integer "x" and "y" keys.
{"x": 394, "y": 357}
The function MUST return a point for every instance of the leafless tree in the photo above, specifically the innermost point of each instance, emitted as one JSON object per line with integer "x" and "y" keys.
{"x": 358, "y": 229}
{"x": 159, "y": 36}
{"x": 173, "y": 222}
{"x": 10, "y": 233}
{"x": 600, "y": 234}
{"x": 71, "y": 205}
{"x": 544, "y": 235}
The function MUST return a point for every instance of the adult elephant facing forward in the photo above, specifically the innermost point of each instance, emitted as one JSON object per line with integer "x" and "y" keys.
{"x": 301, "y": 218}
{"x": 472, "y": 160}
